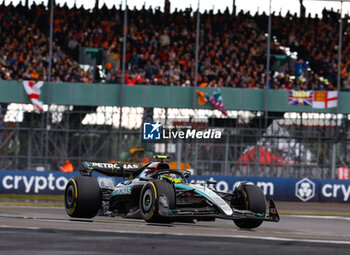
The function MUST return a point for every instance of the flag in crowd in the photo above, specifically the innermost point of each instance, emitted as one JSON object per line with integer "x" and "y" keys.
{"x": 325, "y": 99}
{"x": 300, "y": 97}
{"x": 202, "y": 99}
{"x": 33, "y": 92}
{"x": 216, "y": 100}
{"x": 316, "y": 99}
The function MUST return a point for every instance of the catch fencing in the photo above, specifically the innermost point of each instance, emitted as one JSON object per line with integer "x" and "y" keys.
{"x": 284, "y": 145}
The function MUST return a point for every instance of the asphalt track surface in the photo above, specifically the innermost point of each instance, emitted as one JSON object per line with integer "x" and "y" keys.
{"x": 48, "y": 230}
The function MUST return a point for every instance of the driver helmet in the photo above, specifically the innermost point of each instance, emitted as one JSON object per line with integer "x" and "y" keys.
{"x": 171, "y": 177}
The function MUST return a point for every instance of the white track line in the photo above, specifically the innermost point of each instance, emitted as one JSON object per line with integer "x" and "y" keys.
{"x": 266, "y": 238}
{"x": 318, "y": 217}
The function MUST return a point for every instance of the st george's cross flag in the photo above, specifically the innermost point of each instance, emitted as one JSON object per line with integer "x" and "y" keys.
{"x": 33, "y": 91}
{"x": 325, "y": 99}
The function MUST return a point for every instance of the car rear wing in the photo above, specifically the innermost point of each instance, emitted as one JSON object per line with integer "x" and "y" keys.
{"x": 120, "y": 169}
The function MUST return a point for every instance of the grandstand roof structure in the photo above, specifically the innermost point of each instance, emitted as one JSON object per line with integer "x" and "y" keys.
{"x": 293, "y": 6}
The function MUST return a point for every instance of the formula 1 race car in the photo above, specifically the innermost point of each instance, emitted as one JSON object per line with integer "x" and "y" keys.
{"x": 159, "y": 194}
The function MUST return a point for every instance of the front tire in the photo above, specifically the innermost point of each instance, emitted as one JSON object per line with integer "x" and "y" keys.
{"x": 149, "y": 200}
{"x": 82, "y": 197}
{"x": 253, "y": 200}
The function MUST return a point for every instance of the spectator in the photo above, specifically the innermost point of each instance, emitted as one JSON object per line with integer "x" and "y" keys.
{"x": 164, "y": 39}
{"x": 300, "y": 68}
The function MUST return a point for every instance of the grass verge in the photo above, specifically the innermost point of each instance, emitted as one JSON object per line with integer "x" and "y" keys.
{"x": 40, "y": 204}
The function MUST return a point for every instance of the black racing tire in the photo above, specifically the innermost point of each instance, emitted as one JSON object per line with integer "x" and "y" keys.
{"x": 149, "y": 200}
{"x": 82, "y": 197}
{"x": 254, "y": 200}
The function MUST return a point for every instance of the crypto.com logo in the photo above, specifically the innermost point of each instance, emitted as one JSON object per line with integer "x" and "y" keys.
{"x": 151, "y": 130}
{"x": 305, "y": 189}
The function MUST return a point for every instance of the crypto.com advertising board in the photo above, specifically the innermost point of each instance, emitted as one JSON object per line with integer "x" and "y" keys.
{"x": 287, "y": 189}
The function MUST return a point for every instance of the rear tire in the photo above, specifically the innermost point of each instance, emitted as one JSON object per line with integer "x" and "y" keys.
{"x": 254, "y": 200}
{"x": 82, "y": 197}
{"x": 149, "y": 200}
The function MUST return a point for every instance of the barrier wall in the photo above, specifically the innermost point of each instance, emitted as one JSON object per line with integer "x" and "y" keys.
{"x": 166, "y": 97}
{"x": 287, "y": 189}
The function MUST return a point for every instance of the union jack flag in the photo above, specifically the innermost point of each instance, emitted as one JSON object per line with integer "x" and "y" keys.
{"x": 217, "y": 101}
{"x": 300, "y": 97}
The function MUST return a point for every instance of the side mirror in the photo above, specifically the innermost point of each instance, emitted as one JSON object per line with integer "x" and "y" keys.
{"x": 211, "y": 182}
{"x": 186, "y": 173}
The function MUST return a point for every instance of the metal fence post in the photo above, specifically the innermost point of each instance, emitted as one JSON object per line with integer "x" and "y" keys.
{"x": 123, "y": 79}
{"x": 196, "y": 58}
{"x": 334, "y": 151}
{"x": 47, "y": 124}
{"x": 227, "y": 147}
{"x": 267, "y": 67}
{"x": 340, "y": 44}
{"x": 196, "y": 157}
{"x": 178, "y": 153}
{"x": 340, "y": 50}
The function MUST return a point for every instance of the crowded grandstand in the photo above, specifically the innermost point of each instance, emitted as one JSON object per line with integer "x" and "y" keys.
{"x": 126, "y": 126}
{"x": 232, "y": 48}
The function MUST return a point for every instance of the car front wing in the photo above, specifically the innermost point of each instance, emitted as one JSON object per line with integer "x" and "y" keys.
{"x": 212, "y": 212}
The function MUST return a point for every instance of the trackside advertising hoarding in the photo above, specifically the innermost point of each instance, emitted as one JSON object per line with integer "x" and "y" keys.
{"x": 288, "y": 189}
{"x": 48, "y": 182}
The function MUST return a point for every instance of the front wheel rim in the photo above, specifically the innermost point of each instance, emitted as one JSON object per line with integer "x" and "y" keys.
{"x": 70, "y": 194}
{"x": 147, "y": 200}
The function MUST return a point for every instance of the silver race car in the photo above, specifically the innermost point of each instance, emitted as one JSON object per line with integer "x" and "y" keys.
{"x": 157, "y": 193}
